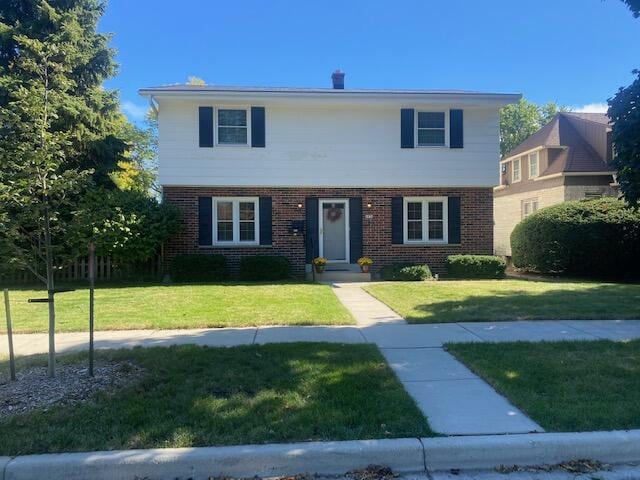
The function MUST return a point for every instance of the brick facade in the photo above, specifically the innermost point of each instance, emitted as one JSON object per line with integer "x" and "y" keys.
{"x": 476, "y": 221}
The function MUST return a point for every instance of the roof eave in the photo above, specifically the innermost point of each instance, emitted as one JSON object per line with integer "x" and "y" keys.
{"x": 494, "y": 99}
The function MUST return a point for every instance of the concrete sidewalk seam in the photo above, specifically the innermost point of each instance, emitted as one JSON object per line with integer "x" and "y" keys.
{"x": 595, "y": 336}
{"x": 472, "y": 333}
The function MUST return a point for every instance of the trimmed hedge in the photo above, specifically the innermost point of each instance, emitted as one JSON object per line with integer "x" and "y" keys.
{"x": 264, "y": 268}
{"x": 599, "y": 238}
{"x": 405, "y": 272}
{"x": 475, "y": 266}
{"x": 199, "y": 268}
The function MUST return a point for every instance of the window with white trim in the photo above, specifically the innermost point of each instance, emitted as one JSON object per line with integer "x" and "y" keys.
{"x": 425, "y": 220}
{"x": 515, "y": 170}
{"x": 232, "y": 126}
{"x": 529, "y": 206}
{"x": 235, "y": 221}
{"x": 534, "y": 167}
{"x": 431, "y": 129}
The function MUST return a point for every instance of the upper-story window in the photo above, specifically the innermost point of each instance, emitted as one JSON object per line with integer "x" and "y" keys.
{"x": 515, "y": 170}
{"x": 534, "y": 167}
{"x": 431, "y": 129}
{"x": 425, "y": 220}
{"x": 232, "y": 126}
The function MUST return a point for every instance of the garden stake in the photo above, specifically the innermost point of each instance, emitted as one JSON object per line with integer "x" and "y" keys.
{"x": 12, "y": 360}
{"x": 92, "y": 272}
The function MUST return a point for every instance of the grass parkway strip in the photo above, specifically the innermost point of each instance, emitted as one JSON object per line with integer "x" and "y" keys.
{"x": 564, "y": 386}
{"x": 199, "y": 396}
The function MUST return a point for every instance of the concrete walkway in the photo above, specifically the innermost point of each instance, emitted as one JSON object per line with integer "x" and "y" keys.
{"x": 366, "y": 309}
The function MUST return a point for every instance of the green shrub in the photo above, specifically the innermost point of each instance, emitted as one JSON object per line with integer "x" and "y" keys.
{"x": 405, "y": 272}
{"x": 264, "y": 268}
{"x": 475, "y": 266}
{"x": 199, "y": 268}
{"x": 599, "y": 238}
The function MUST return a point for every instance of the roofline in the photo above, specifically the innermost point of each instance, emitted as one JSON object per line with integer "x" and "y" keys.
{"x": 531, "y": 150}
{"x": 325, "y": 94}
{"x": 574, "y": 174}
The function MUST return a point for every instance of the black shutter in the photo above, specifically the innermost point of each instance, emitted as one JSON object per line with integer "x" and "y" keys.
{"x": 406, "y": 128}
{"x": 397, "y": 220}
{"x": 456, "y": 132}
{"x": 355, "y": 228}
{"x": 454, "y": 220}
{"x": 312, "y": 237}
{"x": 257, "y": 127}
{"x": 265, "y": 221}
{"x": 205, "y": 116}
{"x": 205, "y": 221}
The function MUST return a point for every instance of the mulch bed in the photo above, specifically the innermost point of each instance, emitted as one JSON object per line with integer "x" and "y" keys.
{"x": 35, "y": 390}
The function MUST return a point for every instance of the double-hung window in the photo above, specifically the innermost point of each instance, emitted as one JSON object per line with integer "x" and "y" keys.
{"x": 425, "y": 220}
{"x": 529, "y": 206}
{"x": 515, "y": 173}
{"x": 533, "y": 165}
{"x": 232, "y": 126}
{"x": 235, "y": 221}
{"x": 431, "y": 129}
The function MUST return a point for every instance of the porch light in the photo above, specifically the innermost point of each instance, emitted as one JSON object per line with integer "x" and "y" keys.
{"x": 369, "y": 205}
{"x": 299, "y": 205}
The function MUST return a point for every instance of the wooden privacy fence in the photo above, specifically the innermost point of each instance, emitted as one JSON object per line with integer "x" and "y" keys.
{"x": 106, "y": 270}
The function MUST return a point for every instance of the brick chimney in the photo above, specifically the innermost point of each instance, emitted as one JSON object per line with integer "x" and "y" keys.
{"x": 338, "y": 80}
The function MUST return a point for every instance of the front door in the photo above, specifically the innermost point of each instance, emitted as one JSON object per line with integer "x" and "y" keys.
{"x": 334, "y": 230}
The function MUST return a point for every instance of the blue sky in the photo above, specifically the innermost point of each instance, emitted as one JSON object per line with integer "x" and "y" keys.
{"x": 570, "y": 51}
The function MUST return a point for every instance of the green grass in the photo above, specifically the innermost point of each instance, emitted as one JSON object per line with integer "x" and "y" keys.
{"x": 198, "y": 396}
{"x": 564, "y": 386}
{"x": 182, "y": 306}
{"x": 495, "y": 300}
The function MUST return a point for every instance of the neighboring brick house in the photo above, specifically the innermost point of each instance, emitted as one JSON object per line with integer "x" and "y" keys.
{"x": 567, "y": 159}
{"x": 396, "y": 175}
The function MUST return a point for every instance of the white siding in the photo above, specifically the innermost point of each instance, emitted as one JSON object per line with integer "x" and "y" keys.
{"x": 310, "y": 145}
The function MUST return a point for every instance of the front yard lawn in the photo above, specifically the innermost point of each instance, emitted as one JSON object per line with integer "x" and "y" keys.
{"x": 182, "y": 306}
{"x": 495, "y": 300}
{"x": 197, "y": 396}
{"x": 564, "y": 386}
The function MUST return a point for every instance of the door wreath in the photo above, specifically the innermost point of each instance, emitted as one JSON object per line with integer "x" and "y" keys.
{"x": 334, "y": 214}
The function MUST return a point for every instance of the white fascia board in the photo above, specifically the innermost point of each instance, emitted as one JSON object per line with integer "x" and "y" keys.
{"x": 331, "y": 98}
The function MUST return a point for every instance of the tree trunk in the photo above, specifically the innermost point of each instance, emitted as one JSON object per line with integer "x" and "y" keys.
{"x": 50, "y": 295}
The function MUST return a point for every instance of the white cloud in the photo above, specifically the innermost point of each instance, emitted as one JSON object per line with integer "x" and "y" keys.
{"x": 592, "y": 108}
{"x": 134, "y": 111}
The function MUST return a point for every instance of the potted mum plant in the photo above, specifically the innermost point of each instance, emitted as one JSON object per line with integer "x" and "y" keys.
{"x": 365, "y": 264}
{"x": 319, "y": 263}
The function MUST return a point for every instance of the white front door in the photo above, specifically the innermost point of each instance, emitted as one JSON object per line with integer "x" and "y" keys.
{"x": 334, "y": 230}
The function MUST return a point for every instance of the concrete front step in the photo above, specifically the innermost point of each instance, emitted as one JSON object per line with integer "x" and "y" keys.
{"x": 339, "y": 272}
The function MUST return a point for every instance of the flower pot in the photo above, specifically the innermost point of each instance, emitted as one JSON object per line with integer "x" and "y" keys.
{"x": 319, "y": 268}
{"x": 365, "y": 268}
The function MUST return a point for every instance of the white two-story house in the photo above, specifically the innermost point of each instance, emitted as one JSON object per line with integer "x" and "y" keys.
{"x": 396, "y": 175}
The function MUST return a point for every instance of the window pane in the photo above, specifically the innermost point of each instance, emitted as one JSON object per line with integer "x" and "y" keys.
{"x": 225, "y": 211}
{"x": 232, "y": 135}
{"x": 247, "y": 231}
{"x": 225, "y": 231}
{"x": 430, "y": 119}
{"x": 414, "y": 211}
{"x": 436, "y": 231}
{"x": 430, "y": 137}
{"x": 232, "y": 118}
{"x": 435, "y": 210}
{"x": 247, "y": 211}
{"x": 414, "y": 230}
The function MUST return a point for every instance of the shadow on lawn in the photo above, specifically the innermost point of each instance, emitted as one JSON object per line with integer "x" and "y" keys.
{"x": 609, "y": 301}
{"x": 197, "y": 396}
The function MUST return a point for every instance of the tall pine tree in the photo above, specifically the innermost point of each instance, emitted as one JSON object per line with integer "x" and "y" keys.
{"x": 59, "y": 128}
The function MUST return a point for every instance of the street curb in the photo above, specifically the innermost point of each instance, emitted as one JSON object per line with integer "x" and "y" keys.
{"x": 490, "y": 451}
{"x": 329, "y": 458}
{"x": 402, "y": 455}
